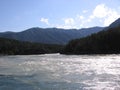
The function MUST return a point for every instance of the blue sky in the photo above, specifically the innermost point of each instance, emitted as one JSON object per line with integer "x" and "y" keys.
{"x": 18, "y": 15}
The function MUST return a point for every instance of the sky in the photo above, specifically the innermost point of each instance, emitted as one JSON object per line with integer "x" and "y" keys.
{"x": 19, "y": 15}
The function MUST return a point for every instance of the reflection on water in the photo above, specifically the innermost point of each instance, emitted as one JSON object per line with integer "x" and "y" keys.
{"x": 60, "y": 72}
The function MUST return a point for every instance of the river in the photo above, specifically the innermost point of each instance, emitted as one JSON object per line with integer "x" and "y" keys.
{"x": 60, "y": 72}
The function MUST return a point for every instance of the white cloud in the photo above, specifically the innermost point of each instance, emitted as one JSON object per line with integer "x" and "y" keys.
{"x": 79, "y": 21}
{"x": 44, "y": 20}
{"x": 113, "y": 15}
{"x": 68, "y": 21}
{"x": 105, "y": 14}
{"x": 101, "y": 14}
{"x": 100, "y": 11}
{"x": 80, "y": 17}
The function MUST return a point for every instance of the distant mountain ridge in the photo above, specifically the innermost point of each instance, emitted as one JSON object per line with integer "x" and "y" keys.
{"x": 50, "y": 35}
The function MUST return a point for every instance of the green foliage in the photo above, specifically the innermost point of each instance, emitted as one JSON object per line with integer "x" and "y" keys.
{"x": 104, "y": 42}
{"x": 14, "y": 47}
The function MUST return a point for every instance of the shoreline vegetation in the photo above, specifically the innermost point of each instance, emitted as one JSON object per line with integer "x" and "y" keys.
{"x": 15, "y": 47}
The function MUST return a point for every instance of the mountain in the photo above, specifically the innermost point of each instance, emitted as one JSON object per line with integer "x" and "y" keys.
{"x": 14, "y": 47}
{"x": 50, "y": 35}
{"x": 103, "y": 42}
{"x": 115, "y": 23}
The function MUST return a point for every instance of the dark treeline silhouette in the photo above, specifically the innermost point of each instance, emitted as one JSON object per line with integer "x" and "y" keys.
{"x": 14, "y": 47}
{"x": 104, "y": 42}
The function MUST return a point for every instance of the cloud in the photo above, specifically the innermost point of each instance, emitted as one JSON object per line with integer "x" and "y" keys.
{"x": 111, "y": 17}
{"x": 77, "y": 22}
{"x": 102, "y": 12}
{"x": 68, "y": 21}
{"x": 44, "y": 20}
{"x": 80, "y": 17}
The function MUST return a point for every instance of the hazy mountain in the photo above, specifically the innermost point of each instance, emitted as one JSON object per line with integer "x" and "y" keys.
{"x": 50, "y": 35}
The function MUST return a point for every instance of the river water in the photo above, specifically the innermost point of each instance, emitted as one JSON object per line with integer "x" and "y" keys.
{"x": 60, "y": 72}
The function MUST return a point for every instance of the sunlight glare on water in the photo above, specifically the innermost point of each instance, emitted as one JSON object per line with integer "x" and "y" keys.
{"x": 60, "y": 72}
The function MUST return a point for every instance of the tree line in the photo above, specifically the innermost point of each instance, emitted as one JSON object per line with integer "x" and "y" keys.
{"x": 14, "y": 47}
{"x": 104, "y": 42}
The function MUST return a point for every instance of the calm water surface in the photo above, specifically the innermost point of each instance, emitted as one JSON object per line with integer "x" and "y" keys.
{"x": 60, "y": 72}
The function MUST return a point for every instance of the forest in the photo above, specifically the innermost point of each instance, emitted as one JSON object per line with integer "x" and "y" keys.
{"x": 14, "y": 47}
{"x": 104, "y": 42}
